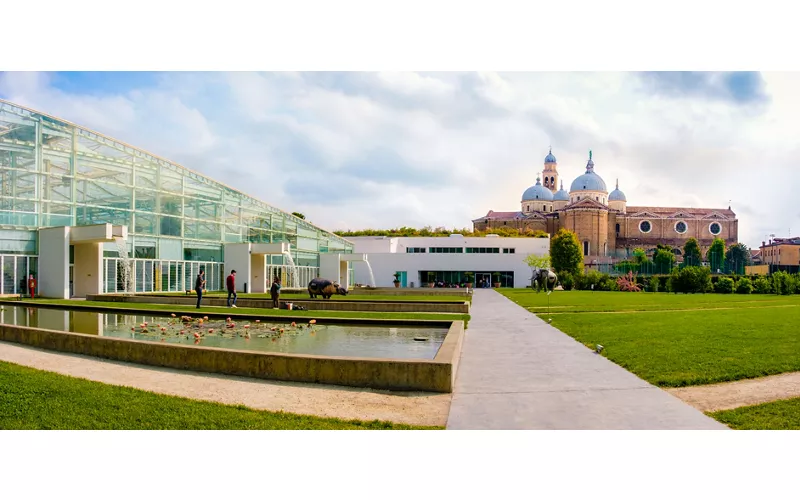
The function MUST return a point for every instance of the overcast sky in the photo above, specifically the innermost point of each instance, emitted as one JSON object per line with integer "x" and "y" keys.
{"x": 380, "y": 150}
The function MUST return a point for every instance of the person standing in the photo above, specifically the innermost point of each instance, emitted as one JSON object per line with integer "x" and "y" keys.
{"x": 230, "y": 283}
{"x": 275, "y": 292}
{"x": 199, "y": 285}
{"x": 32, "y": 285}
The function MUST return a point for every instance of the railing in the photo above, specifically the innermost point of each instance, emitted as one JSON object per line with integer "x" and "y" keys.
{"x": 156, "y": 275}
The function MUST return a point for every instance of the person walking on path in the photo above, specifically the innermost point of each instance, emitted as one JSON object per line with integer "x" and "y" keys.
{"x": 275, "y": 292}
{"x": 230, "y": 282}
{"x": 32, "y": 285}
{"x": 199, "y": 284}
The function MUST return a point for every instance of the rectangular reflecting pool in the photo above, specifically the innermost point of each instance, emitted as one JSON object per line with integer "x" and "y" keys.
{"x": 401, "y": 342}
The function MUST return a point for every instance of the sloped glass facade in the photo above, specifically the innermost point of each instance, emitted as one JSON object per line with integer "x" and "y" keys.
{"x": 54, "y": 173}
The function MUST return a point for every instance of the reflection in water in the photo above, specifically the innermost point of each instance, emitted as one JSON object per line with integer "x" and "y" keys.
{"x": 303, "y": 338}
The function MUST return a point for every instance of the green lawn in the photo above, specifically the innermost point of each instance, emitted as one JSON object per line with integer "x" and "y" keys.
{"x": 34, "y": 399}
{"x": 260, "y": 312}
{"x": 692, "y": 344}
{"x": 778, "y": 415}
{"x": 583, "y": 301}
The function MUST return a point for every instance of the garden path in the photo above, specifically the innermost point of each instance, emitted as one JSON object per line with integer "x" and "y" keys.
{"x": 518, "y": 372}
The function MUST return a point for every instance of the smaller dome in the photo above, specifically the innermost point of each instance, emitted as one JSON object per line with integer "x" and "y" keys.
{"x": 617, "y": 195}
{"x": 550, "y": 158}
{"x": 537, "y": 192}
{"x": 561, "y": 194}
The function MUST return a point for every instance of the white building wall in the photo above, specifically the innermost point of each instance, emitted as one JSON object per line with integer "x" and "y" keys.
{"x": 385, "y": 263}
{"x": 53, "y": 279}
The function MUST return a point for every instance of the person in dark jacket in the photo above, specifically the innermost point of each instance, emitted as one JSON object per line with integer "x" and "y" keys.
{"x": 230, "y": 283}
{"x": 275, "y": 292}
{"x": 199, "y": 285}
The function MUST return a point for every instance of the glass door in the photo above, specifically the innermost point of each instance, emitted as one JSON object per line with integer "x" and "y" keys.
{"x": 483, "y": 280}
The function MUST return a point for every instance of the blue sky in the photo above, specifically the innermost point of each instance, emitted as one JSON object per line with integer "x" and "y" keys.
{"x": 360, "y": 149}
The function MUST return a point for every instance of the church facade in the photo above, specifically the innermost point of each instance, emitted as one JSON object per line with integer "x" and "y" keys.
{"x": 606, "y": 225}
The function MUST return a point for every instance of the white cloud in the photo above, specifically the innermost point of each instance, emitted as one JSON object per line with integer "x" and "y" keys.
{"x": 358, "y": 150}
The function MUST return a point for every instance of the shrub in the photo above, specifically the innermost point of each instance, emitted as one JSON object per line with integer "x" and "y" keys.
{"x": 607, "y": 284}
{"x": 628, "y": 283}
{"x": 724, "y": 285}
{"x": 566, "y": 280}
{"x": 654, "y": 283}
{"x": 783, "y": 283}
{"x": 692, "y": 279}
{"x": 762, "y": 285}
{"x": 744, "y": 286}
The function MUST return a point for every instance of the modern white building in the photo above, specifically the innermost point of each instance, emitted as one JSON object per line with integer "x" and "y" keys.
{"x": 421, "y": 260}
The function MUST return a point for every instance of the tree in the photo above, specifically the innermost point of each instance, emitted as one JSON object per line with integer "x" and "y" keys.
{"x": 664, "y": 260}
{"x": 537, "y": 262}
{"x": 566, "y": 253}
{"x": 716, "y": 255}
{"x": 736, "y": 258}
{"x": 299, "y": 215}
{"x": 639, "y": 256}
{"x": 691, "y": 253}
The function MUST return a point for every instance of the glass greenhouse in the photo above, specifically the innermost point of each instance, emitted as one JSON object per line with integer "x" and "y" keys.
{"x": 55, "y": 173}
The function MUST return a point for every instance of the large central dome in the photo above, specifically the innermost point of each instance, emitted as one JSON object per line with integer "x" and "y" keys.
{"x": 589, "y": 181}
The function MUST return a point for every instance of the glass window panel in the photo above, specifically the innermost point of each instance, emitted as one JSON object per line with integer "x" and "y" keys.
{"x": 145, "y": 200}
{"x": 145, "y": 223}
{"x": 170, "y": 226}
{"x": 101, "y": 215}
{"x": 145, "y": 177}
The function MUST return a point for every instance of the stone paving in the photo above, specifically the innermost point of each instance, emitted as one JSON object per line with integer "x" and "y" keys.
{"x": 518, "y": 372}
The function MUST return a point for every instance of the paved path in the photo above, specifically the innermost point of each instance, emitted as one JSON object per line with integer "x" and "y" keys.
{"x": 414, "y": 408}
{"x": 729, "y": 395}
{"x": 518, "y": 372}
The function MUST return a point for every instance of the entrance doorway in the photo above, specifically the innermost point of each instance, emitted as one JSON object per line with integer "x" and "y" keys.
{"x": 486, "y": 277}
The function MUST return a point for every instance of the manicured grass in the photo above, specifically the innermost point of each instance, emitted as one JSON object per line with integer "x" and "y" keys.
{"x": 778, "y": 415}
{"x": 692, "y": 344}
{"x": 34, "y": 399}
{"x": 260, "y": 312}
{"x": 583, "y": 301}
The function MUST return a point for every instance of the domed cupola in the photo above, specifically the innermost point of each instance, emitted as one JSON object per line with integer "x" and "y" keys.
{"x": 617, "y": 200}
{"x": 537, "y": 198}
{"x": 537, "y": 192}
{"x": 561, "y": 198}
{"x": 589, "y": 181}
{"x": 550, "y": 158}
{"x": 561, "y": 194}
{"x": 616, "y": 194}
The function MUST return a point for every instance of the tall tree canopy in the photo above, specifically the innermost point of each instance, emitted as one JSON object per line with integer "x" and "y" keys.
{"x": 566, "y": 253}
{"x": 716, "y": 255}
{"x": 691, "y": 253}
{"x": 737, "y": 257}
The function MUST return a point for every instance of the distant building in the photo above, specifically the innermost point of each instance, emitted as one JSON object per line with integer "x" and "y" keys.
{"x": 606, "y": 226}
{"x": 421, "y": 260}
{"x": 781, "y": 254}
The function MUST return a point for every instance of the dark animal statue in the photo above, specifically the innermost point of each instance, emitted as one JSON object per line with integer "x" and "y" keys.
{"x": 544, "y": 278}
{"x": 325, "y": 288}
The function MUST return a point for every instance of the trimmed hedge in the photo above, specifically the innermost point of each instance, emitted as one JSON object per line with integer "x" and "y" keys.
{"x": 690, "y": 279}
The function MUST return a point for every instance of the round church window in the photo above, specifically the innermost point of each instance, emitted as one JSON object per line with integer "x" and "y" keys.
{"x": 680, "y": 227}
{"x": 645, "y": 226}
{"x": 715, "y": 228}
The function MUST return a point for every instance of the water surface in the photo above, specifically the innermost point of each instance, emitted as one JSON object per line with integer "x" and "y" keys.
{"x": 322, "y": 340}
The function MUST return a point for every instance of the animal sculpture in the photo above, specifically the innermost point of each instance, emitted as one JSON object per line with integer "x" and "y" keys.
{"x": 325, "y": 288}
{"x": 544, "y": 278}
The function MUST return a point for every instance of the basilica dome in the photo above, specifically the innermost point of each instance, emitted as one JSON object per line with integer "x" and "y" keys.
{"x": 537, "y": 192}
{"x": 617, "y": 195}
{"x": 550, "y": 158}
{"x": 589, "y": 181}
{"x": 561, "y": 194}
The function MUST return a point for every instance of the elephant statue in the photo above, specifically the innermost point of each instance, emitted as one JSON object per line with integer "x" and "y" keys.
{"x": 544, "y": 278}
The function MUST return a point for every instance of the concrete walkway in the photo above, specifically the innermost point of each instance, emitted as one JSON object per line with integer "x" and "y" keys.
{"x": 518, "y": 372}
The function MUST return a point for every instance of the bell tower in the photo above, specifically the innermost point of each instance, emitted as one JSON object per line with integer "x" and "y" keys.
{"x": 550, "y": 173}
